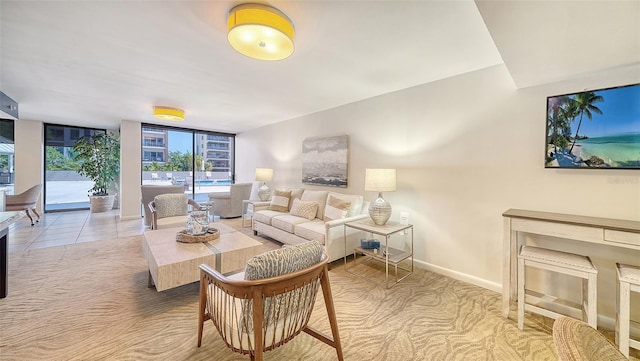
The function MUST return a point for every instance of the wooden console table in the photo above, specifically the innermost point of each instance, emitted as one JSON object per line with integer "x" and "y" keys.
{"x": 611, "y": 232}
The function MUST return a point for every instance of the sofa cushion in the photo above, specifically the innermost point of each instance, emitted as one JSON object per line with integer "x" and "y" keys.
{"x": 336, "y": 208}
{"x": 313, "y": 230}
{"x": 319, "y": 196}
{"x": 305, "y": 209}
{"x": 265, "y": 216}
{"x": 287, "y": 222}
{"x": 295, "y": 193}
{"x": 280, "y": 201}
{"x": 356, "y": 202}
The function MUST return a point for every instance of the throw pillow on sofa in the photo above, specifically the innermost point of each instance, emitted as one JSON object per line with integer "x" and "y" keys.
{"x": 280, "y": 201}
{"x": 304, "y": 209}
{"x": 336, "y": 208}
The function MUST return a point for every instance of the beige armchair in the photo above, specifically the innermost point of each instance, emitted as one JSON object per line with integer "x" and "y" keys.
{"x": 170, "y": 210}
{"x": 149, "y": 192}
{"x": 25, "y": 201}
{"x": 229, "y": 204}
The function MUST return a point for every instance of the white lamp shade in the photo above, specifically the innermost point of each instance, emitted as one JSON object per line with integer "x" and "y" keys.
{"x": 380, "y": 180}
{"x": 264, "y": 174}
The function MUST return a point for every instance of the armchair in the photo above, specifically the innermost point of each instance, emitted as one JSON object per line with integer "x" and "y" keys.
{"x": 25, "y": 201}
{"x": 272, "y": 305}
{"x": 229, "y": 204}
{"x": 170, "y": 210}
{"x": 575, "y": 340}
{"x": 150, "y": 191}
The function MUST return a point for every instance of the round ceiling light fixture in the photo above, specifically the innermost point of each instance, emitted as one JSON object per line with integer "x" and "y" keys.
{"x": 260, "y": 32}
{"x": 168, "y": 113}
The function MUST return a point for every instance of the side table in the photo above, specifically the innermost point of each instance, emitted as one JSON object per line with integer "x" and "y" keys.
{"x": 247, "y": 211}
{"x": 386, "y": 254}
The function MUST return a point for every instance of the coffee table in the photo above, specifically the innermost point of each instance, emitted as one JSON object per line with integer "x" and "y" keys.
{"x": 173, "y": 264}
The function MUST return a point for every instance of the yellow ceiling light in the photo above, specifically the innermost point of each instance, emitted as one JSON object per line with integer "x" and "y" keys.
{"x": 167, "y": 113}
{"x": 260, "y": 32}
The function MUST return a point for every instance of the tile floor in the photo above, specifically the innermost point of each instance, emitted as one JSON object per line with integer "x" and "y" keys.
{"x": 57, "y": 229}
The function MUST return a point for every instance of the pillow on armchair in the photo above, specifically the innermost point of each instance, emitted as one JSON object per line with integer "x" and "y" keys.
{"x": 171, "y": 205}
{"x": 283, "y": 260}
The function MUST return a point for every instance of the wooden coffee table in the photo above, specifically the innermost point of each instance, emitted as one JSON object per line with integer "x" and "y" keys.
{"x": 173, "y": 264}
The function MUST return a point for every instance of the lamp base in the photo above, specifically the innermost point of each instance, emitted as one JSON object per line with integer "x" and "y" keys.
{"x": 380, "y": 211}
{"x": 264, "y": 193}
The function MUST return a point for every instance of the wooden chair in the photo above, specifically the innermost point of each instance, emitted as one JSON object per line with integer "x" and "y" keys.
{"x": 170, "y": 210}
{"x": 25, "y": 201}
{"x": 254, "y": 316}
{"x": 575, "y": 340}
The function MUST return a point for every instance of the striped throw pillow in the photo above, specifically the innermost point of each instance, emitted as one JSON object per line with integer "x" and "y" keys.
{"x": 280, "y": 201}
{"x": 336, "y": 208}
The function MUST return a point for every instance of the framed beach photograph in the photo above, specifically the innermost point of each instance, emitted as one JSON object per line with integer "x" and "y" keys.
{"x": 324, "y": 161}
{"x": 594, "y": 129}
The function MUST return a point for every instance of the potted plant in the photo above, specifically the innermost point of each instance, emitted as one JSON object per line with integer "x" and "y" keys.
{"x": 99, "y": 160}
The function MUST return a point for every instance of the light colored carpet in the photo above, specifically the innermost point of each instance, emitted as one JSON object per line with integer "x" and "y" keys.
{"x": 90, "y": 301}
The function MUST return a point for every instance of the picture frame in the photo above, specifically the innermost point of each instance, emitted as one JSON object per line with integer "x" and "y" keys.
{"x": 325, "y": 161}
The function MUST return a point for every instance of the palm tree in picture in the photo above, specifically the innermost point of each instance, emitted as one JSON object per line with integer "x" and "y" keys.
{"x": 584, "y": 103}
{"x": 561, "y": 112}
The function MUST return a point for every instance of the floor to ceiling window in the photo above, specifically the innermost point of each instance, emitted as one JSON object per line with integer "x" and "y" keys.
{"x": 64, "y": 188}
{"x": 6, "y": 155}
{"x": 168, "y": 158}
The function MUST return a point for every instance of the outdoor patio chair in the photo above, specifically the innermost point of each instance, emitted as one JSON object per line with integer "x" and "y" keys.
{"x": 25, "y": 201}
{"x": 272, "y": 304}
{"x": 170, "y": 210}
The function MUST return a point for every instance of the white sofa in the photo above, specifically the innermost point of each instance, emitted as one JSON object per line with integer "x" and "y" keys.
{"x": 288, "y": 228}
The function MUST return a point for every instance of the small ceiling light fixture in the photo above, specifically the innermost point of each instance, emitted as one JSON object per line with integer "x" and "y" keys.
{"x": 260, "y": 32}
{"x": 167, "y": 113}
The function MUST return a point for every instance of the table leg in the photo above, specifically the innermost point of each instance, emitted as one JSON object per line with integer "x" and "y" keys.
{"x": 506, "y": 267}
{"x": 4, "y": 262}
{"x": 150, "y": 283}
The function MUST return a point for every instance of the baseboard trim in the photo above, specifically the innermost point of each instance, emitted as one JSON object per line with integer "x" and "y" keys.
{"x": 129, "y": 218}
{"x": 493, "y": 286}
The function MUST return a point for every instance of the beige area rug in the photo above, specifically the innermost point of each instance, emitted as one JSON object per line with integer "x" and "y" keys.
{"x": 90, "y": 301}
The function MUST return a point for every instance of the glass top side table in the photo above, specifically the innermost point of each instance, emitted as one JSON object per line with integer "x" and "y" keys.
{"x": 386, "y": 254}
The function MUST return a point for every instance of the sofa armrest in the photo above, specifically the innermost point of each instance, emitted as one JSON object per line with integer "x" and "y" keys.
{"x": 261, "y": 206}
{"x": 339, "y": 222}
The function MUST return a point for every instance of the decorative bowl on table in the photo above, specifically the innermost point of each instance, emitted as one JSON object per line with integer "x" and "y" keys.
{"x": 211, "y": 235}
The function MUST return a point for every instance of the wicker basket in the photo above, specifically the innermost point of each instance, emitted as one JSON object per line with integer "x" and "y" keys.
{"x": 211, "y": 235}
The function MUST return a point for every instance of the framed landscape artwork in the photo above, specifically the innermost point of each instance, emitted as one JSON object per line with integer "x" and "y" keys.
{"x": 594, "y": 129}
{"x": 324, "y": 161}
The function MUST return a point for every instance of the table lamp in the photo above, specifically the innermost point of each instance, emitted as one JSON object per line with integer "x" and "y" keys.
{"x": 380, "y": 180}
{"x": 264, "y": 175}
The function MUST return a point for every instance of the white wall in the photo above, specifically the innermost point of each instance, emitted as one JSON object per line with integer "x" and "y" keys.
{"x": 466, "y": 149}
{"x": 130, "y": 169}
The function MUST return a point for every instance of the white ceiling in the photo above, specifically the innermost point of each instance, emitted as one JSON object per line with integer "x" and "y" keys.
{"x": 95, "y": 63}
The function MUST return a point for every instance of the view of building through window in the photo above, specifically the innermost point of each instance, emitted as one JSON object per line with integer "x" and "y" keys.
{"x": 168, "y": 158}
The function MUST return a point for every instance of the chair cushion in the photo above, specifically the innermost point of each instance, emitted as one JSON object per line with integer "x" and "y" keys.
{"x": 169, "y": 205}
{"x": 280, "y": 201}
{"x": 295, "y": 193}
{"x": 336, "y": 208}
{"x": 172, "y": 222}
{"x": 319, "y": 196}
{"x": 304, "y": 209}
{"x": 283, "y": 260}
